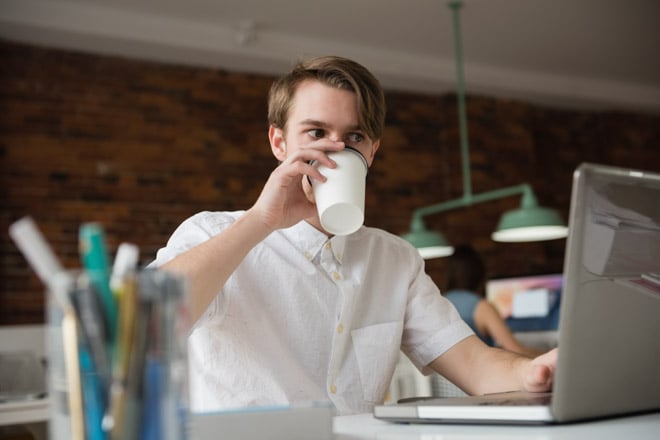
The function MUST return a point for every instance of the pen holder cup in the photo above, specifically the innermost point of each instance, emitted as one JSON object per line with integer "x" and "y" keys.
{"x": 120, "y": 378}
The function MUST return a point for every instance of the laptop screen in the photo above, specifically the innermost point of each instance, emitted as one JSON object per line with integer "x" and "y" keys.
{"x": 611, "y": 297}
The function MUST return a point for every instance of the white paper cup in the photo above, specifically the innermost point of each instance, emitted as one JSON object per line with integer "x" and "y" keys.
{"x": 340, "y": 199}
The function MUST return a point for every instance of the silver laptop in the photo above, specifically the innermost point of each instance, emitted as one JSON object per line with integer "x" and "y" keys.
{"x": 609, "y": 330}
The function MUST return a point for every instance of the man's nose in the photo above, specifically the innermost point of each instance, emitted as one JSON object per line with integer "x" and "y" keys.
{"x": 335, "y": 137}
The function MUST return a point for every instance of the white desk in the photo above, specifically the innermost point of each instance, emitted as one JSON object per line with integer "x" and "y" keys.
{"x": 364, "y": 426}
{"x": 31, "y": 413}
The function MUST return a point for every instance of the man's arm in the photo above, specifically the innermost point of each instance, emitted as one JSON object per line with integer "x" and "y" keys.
{"x": 478, "y": 369}
{"x": 282, "y": 203}
{"x": 208, "y": 265}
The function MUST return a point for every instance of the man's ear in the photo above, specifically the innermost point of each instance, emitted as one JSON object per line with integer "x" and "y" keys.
{"x": 374, "y": 148}
{"x": 277, "y": 142}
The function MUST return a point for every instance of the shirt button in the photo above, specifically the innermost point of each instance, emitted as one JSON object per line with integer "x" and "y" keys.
{"x": 328, "y": 245}
{"x": 340, "y": 328}
{"x": 333, "y": 389}
{"x": 309, "y": 256}
{"x": 336, "y": 276}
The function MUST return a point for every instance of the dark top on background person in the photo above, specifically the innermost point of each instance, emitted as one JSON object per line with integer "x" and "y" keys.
{"x": 466, "y": 277}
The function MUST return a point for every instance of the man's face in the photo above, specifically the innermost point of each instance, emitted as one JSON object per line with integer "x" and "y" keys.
{"x": 320, "y": 114}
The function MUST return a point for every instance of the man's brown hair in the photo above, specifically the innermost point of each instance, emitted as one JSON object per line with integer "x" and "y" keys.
{"x": 337, "y": 72}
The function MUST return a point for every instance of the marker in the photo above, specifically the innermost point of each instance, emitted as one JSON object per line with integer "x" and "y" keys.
{"x": 93, "y": 339}
{"x": 126, "y": 262}
{"x": 39, "y": 255}
{"x": 123, "y": 285}
{"x": 94, "y": 256}
{"x": 92, "y": 396}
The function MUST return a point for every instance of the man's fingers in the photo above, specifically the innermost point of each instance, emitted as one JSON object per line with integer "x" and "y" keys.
{"x": 319, "y": 155}
{"x": 540, "y": 378}
{"x": 541, "y": 374}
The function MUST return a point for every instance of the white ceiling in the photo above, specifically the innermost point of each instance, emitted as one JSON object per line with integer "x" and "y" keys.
{"x": 577, "y": 53}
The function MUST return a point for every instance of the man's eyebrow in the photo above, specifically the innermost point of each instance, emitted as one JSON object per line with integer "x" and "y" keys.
{"x": 317, "y": 123}
{"x": 313, "y": 122}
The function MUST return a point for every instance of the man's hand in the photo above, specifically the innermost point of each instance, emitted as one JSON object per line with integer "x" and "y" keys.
{"x": 283, "y": 201}
{"x": 540, "y": 372}
{"x": 479, "y": 369}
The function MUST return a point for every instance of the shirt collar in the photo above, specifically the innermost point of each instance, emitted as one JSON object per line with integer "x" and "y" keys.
{"x": 310, "y": 241}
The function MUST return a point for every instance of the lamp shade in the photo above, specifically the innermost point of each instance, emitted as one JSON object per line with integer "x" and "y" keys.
{"x": 533, "y": 223}
{"x": 430, "y": 244}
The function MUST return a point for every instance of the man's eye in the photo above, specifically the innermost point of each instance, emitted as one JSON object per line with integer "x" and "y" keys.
{"x": 316, "y": 133}
{"x": 355, "y": 138}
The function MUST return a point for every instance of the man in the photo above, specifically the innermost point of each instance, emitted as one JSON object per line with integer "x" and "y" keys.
{"x": 285, "y": 312}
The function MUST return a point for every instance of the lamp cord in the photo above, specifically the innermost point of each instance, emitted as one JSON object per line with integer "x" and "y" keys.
{"x": 460, "y": 98}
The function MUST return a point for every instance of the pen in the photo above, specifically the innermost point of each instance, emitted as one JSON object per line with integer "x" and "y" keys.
{"x": 115, "y": 421}
{"x": 152, "y": 295}
{"x": 132, "y": 410}
{"x": 64, "y": 282}
{"x": 94, "y": 256}
{"x": 151, "y": 427}
{"x": 125, "y": 263}
{"x": 122, "y": 282}
{"x": 70, "y": 336}
{"x": 89, "y": 311}
{"x": 92, "y": 396}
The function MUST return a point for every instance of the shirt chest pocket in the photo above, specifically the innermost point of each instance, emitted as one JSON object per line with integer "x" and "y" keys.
{"x": 377, "y": 351}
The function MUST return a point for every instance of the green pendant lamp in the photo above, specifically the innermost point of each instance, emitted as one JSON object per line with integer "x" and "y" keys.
{"x": 530, "y": 222}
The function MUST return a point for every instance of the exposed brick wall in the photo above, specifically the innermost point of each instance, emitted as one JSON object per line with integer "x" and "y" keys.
{"x": 140, "y": 146}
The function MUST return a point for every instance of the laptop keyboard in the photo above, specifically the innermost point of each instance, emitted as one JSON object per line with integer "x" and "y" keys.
{"x": 542, "y": 399}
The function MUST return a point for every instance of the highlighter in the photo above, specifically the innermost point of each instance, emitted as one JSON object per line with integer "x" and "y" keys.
{"x": 95, "y": 261}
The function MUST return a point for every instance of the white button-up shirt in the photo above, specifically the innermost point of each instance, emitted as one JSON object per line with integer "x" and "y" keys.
{"x": 307, "y": 318}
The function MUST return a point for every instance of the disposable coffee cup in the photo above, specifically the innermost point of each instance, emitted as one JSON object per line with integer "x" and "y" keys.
{"x": 340, "y": 199}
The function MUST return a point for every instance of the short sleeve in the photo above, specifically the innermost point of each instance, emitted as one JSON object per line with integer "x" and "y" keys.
{"x": 192, "y": 232}
{"x": 432, "y": 324}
